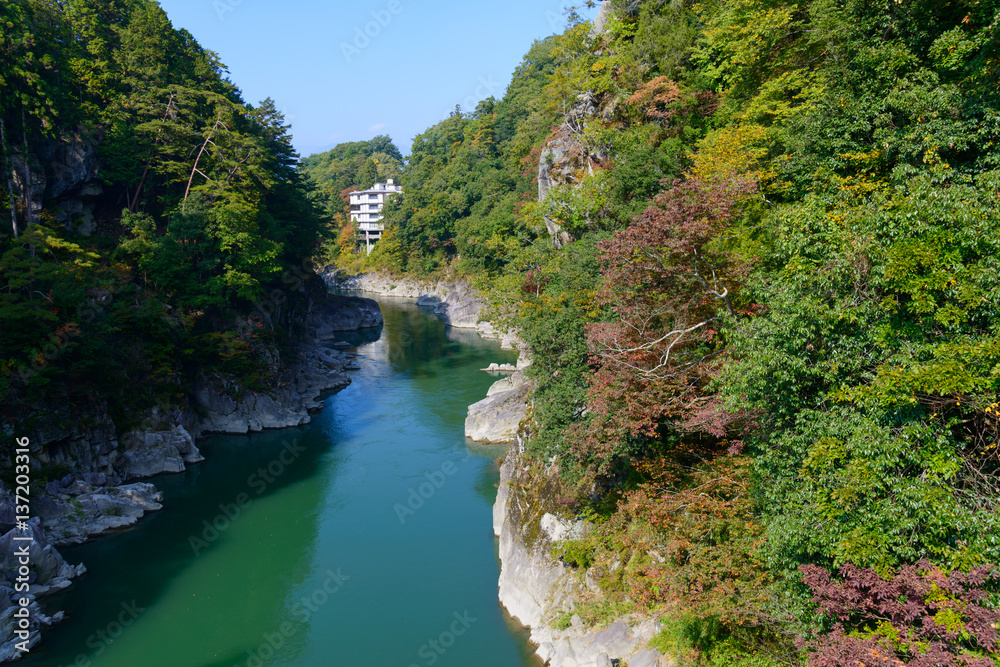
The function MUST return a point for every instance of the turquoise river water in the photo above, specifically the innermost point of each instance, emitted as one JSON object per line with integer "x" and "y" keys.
{"x": 362, "y": 539}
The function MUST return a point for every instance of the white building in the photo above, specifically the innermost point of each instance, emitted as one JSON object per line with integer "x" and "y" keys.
{"x": 366, "y": 210}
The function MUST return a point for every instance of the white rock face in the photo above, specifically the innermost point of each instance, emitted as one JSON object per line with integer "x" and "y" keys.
{"x": 49, "y": 573}
{"x": 74, "y": 512}
{"x": 601, "y": 21}
{"x": 579, "y": 647}
{"x": 505, "y": 384}
{"x": 557, "y": 529}
{"x": 526, "y": 575}
{"x": 496, "y": 418}
{"x": 454, "y": 301}
{"x": 534, "y": 586}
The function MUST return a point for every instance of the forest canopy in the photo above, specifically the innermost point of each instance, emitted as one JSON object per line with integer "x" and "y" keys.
{"x": 150, "y": 205}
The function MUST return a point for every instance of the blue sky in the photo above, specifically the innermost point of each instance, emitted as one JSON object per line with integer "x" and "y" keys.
{"x": 346, "y": 71}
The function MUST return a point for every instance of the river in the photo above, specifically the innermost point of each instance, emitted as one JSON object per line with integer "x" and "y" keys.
{"x": 362, "y": 539}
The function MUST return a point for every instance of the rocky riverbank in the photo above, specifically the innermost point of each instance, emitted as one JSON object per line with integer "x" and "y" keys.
{"x": 536, "y": 588}
{"x": 97, "y": 493}
{"x": 496, "y": 419}
{"x": 454, "y": 301}
{"x": 49, "y": 573}
{"x": 541, "y": 592}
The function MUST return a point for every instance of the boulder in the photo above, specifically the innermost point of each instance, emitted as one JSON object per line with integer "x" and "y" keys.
{"x": 154, "y": 452}
{"x": 500, "y": 368}
{"x": 461, "y": 306}
{"x": 83, "y": 511}
{"x": 496, "y": 418}
{"x": 49, "y": 573}
{"x": 344, "y": 313}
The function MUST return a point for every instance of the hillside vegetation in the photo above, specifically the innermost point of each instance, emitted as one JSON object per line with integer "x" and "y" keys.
{"x": 151, "y": 209}
{"x": 355, "y": 165}
{"x": 762, "y": 297}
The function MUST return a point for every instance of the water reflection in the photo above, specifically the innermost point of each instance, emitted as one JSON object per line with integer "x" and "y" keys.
{"x": 360, "y": 337}
{"x": 326, "y": 505}
{"x": 213, "y": 567}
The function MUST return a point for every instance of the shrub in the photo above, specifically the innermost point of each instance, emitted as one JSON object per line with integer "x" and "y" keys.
{"x": 576, "y": 553}
{"x": 919, "y": 616}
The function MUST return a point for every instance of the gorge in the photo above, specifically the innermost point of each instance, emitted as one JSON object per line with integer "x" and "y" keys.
{"x": 380, "y": 489}
{"x": 704, "y": 310}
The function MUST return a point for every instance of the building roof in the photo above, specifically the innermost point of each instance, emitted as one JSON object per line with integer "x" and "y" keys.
{"x": 389, "y": 187}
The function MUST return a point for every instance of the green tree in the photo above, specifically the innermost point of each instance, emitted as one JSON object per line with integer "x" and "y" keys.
{"x": 367, "y": 175}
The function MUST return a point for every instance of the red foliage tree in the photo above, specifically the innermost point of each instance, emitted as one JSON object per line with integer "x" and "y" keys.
{"x": 702, "y": 535}
{"x": 661, "y": 100}
{"x": 920, "y": 617}
{"x": 669, "y": 280}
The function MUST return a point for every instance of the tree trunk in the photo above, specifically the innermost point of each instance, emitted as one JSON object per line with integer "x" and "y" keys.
{"x": 10, "y": 177}
{"x": 27, "y": 169}
{"x": 194, "y": 169}
{"x": 134, "y": 201}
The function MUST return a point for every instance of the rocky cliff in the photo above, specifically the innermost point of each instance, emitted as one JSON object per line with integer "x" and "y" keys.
{"x": 90, "y": 443}
{"x": 568, "y": 156}
{"x": 454, "y": 301}
{"x": 48, "y": 573}
{"x": 63, "y": 179}
{"x": 540, "y": 591}
{"x": 537, "y": 589}
{"x": 496, "y": 419}
{"x": 98, "y": 494}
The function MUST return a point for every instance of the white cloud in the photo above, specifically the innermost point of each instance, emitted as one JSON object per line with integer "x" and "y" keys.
{"x": 377, "y": 127}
